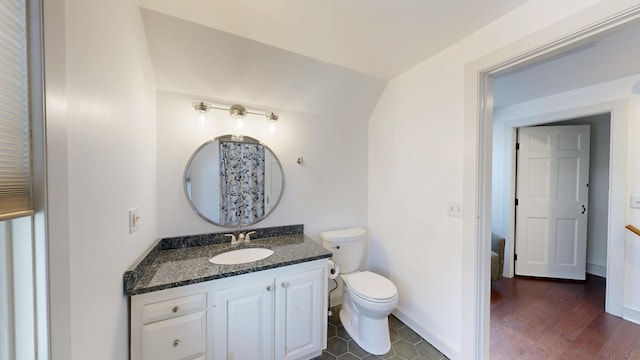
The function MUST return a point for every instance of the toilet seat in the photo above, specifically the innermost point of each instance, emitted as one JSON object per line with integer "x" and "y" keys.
{"x": 371, "y": 286}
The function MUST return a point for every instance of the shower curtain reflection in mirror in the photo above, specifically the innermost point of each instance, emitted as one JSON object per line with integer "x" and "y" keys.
{"x": 242, "y": 174}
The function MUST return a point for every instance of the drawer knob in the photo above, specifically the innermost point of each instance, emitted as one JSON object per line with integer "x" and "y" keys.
{"x": 176, "y": 342}
{"x": 269, "y": 288}
{"x": 285, "y": 284}
{"x": 175, "y": 309}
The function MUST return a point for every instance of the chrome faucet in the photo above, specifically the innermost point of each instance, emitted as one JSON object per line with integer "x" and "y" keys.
{"x": 242, "y": 238}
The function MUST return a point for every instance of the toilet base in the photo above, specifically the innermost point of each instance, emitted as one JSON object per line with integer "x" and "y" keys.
{"x": 372, "y": 335}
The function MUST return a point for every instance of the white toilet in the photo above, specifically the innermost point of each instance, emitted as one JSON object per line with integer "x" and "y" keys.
{"x": 367, "y": 298}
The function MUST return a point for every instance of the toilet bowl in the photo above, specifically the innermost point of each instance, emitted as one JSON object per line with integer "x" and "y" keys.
{"x": 367, "y": 301}
{"x": 367, "y": 298}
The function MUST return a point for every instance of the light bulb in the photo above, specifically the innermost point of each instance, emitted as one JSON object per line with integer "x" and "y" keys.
{"x": 272, "y": 121}
{"x": 273, "y": 127}
{"x": 202, "y": 118}
{"x": 238, "y": 128}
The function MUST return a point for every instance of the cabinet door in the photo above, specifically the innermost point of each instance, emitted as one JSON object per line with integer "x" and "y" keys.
{"x": 243, "y": 322}
{"x": 183, "y": 337}
{"x": 299, "y": 315}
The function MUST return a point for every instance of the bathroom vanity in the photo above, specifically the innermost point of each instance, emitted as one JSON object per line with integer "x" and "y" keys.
{"x": 184, "y": 307}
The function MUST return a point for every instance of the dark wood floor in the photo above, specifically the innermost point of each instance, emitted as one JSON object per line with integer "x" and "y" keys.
{"x": 554, "y": 319}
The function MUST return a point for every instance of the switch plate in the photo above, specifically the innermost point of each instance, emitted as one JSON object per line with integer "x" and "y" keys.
{"x": 635, "y": 201}
{"x": 454, "y": 209}
{"x": 134, "y": 220}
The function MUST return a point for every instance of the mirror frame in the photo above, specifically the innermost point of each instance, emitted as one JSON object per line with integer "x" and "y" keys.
{"x": 230, "y": 138}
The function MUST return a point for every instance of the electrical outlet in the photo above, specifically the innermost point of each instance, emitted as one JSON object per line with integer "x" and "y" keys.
{"x": 635, "y": 201}
{"x": 454, "y": 209}
{"x": 134, "y": 220}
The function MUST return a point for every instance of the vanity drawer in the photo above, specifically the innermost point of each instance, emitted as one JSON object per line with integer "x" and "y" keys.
{"x": 183, "y": 337}
{"x": 175, "y": 307}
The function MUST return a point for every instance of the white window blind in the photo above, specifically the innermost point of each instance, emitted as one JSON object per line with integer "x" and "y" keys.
{"x": 15, "y": 159}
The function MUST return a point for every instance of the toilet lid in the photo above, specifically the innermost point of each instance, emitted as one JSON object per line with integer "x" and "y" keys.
{"x": 371, "y": 286}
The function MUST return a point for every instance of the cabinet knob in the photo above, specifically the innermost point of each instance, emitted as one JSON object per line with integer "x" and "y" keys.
{"x": 176, "y": 342}
{"x": 175, "y": 309}
{"x": 269, "y": 288}
{"x": 285, "y": 284}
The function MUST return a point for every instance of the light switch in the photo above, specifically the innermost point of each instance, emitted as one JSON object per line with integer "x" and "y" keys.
{"x": 134, "y": 220}
{"x": 454, "y": 209}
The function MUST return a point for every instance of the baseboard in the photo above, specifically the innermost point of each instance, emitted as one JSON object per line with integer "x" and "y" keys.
{"x": 631, "y": 315}
{"x": 597, "y": 270}
{"x": 442, "y": 346}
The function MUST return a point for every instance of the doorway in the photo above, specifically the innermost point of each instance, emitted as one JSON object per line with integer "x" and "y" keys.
{"x": 545, "y": 316}
{"x": 478, "y": 124}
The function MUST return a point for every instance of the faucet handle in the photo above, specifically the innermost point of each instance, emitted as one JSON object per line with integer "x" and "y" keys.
{"x": 233, "y": 238}
{"x": 247, "y": 237}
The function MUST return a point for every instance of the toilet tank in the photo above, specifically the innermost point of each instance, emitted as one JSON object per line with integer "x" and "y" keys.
{"x": 347, "y": 245}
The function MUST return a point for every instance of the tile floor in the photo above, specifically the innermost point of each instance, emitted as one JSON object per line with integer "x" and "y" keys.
{"x": 405, "y": 343}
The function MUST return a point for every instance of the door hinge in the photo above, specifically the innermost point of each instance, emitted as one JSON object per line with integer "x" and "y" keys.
{"x": 516, "y": 202}
{"x": 517, "y": 146}
{"x": 515, "y": 257}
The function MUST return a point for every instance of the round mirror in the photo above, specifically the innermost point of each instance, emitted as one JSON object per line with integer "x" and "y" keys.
{"x": 231, "y": 182}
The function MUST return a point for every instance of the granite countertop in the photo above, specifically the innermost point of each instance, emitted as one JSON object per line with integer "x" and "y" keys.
{"x": 182, "y": 261}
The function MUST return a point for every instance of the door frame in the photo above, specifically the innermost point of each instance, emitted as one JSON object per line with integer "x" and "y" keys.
{"x": 478, "y": 124}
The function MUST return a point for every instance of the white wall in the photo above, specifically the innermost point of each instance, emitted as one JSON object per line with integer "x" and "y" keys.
{"x": 101, "y": 163}
{"x": 327, "y": 191}
{"x": 632, "y": 241}
{"x": 416, "y": 159}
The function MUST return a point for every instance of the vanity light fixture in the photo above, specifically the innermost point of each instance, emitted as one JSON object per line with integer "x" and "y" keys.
{"x": 238, "y": 113}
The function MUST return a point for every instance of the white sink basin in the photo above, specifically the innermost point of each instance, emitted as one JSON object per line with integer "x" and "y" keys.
{"x": 241, "y": 256}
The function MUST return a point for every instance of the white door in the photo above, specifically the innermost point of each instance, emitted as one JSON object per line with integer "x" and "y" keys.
{"x": 552, "y": 197}
{"x": 243, "y": 322}
{"x": 300, "y": 314}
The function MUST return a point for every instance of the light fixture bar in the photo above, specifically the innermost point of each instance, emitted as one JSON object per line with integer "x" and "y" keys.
{"x": 235, "y": 110}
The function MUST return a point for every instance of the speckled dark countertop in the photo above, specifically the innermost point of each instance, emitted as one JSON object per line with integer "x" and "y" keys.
{"x": 182, "y": 261}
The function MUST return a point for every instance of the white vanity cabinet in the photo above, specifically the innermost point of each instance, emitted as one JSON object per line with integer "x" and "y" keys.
{"x": 276, "y": 314}
{"x": 280, "y": 318}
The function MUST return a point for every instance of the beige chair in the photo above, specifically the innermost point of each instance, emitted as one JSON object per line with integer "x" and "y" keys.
{"x": 497, "y": 256}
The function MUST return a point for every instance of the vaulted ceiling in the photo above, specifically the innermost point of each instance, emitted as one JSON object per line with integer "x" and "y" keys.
{"x": 266, "y": 51}
{"x": 380, "y": 38}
